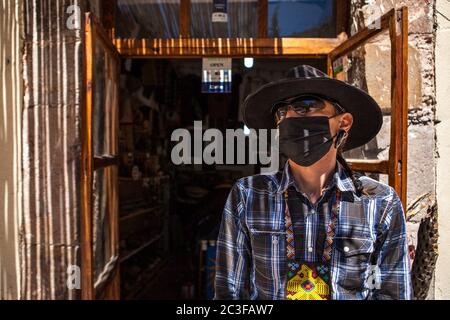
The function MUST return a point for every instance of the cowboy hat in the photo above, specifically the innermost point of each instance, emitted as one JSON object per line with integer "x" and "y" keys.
{"x": 258, "y": 110}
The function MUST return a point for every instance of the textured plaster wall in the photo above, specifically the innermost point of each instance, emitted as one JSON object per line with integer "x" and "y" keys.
{"x": 11, "y": 95}
{"x": 51, "y": 153}
{"x": 375, "y": 65}
{"x": 442, "y": 274}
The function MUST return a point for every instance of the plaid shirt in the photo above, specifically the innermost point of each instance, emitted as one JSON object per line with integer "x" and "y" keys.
{"x": 251, "y": 256}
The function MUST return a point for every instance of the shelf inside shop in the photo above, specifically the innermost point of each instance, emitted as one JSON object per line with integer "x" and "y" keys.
{"x": 127, "y": 179}
{"x": 139, "y": 212}
{"x": 150, "y": 275}
{"x": 142, "y": 247}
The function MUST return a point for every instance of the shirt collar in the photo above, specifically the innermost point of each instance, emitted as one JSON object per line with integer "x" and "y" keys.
{"x": 340, "y": 178}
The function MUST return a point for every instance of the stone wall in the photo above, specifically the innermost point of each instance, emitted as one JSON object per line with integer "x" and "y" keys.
{"x": 374, "y": 65}
{"x": 442, "y": 282}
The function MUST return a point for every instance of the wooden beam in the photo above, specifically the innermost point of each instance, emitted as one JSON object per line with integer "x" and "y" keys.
{"x": 398, "y": 152}
{"x": 95, "y": 35}
{"x": 342, "y": 14}
{"x": 87, "y": 285}
{"x": 109, "y": 16}
{"x": 263, "y": 16}
{"x": 360, "y": 38}
{"x": 396, "y": 113}
{"x": 401, "y": 98}
{"x": 185, "y": 14}
{"x": 226, "y": 47}
{"x": 102, "y": 35}
{"x": 372, "y": 166}
{"x": 405, "y": 103}
{"x": 102, "y": 162}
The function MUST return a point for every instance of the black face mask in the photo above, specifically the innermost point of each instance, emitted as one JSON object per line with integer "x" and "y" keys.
{"x": 306, "y": 140}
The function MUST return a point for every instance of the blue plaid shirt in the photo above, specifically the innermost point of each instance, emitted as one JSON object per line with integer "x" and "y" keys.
{"x": 251, "y": 254}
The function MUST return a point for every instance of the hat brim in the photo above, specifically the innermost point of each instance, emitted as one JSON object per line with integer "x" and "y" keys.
{"x": 367, "y": 116}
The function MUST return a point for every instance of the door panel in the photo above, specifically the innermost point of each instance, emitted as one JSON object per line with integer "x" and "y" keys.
{"x": 100, "y": 250}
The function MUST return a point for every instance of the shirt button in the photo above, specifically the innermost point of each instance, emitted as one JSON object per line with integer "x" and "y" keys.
{"x": 310, "y": 249}
{"x": 346, "y": 249}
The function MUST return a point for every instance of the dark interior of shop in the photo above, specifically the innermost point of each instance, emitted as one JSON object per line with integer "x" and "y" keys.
{"x": 170, "y": 215}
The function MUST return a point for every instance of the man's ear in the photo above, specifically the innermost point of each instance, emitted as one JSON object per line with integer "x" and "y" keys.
{"x": 346, "y": 122}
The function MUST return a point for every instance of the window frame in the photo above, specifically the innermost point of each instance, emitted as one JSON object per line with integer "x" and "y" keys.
{"x": 262, "y": 46}
{"x": 396, "y": 22}
{"x": 94, "y": 33}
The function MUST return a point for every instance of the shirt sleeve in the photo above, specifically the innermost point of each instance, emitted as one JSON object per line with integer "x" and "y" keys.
{"x": 393, "y": 260}
{"x": 233, "y": 250}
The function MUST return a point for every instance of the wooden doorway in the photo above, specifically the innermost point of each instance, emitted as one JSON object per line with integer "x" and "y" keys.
{"x": 100, "y": 249}
{"x": 99, "y": 220}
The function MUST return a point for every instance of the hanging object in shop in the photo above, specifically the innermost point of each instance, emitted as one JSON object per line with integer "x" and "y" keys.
{"x": 216, "y": 75}
{"x": 220, "y": 11}
{"x": 340, "y": 68}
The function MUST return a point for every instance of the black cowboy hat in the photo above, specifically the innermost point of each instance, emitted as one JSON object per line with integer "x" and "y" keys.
{"x": 258, "y": 110}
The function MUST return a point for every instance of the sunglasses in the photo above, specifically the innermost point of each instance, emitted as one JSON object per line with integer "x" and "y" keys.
{"x": 302, "y": 105}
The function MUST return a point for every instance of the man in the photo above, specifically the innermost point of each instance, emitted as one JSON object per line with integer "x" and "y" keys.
{"x": 314, "y": 230}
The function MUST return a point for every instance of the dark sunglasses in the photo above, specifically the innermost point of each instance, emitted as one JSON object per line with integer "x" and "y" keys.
{"x": 302, "y": 105}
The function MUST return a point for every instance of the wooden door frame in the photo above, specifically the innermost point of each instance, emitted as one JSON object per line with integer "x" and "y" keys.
{"x": 184, "y": 47}
{"x": 341, "y": 12}
{"x": 396, "y": 22}
{"x": 89, "y": 163}
{"x": 261, "y": 46}
{"x": 227, "y": 47}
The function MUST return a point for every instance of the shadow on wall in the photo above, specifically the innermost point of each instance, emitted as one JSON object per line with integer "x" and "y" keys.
{"x": 10, "y": 142}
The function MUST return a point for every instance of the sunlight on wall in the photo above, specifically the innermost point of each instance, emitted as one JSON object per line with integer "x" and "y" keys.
{"x": 10, "y": 145}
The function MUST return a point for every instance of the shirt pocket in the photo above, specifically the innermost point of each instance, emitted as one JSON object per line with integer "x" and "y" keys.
{"x": 354, "y": 255}
{"x": 266, "y": 231}
{"x": 265, "y": 239}
{"x": 268, "y": 256}
{"x": 354, "y": 249}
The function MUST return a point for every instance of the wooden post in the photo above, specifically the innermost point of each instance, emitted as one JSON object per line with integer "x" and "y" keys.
{"x": 399, "y": 105}
{"x": 342, "y": 13}
{"x": 403, "y": 56}
{"x": 86, "y": 168}
{"x": 109, "y": 16}
{"x": 96, "y": 36}
{"x": 185, "y": 15}
{"x": 263, "y": 12}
